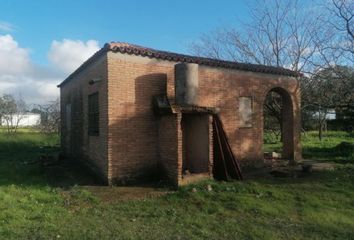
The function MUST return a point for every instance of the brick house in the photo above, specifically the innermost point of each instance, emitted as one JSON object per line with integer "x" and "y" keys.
{"x": 131, "y": 112}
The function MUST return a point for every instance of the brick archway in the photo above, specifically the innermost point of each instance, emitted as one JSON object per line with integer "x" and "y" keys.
{"x": 287, "y": 123}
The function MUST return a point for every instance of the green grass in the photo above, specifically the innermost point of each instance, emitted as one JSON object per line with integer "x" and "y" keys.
{"x": 329, "y": 149}
{"x": 49, "y": 203}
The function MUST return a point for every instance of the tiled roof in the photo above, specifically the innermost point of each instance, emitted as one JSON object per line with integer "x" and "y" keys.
{"x": 127, "y": 48}
{"x": 175, "y": 57}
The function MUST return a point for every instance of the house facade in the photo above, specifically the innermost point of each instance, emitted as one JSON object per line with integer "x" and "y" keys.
{"x": 131, "y": 113}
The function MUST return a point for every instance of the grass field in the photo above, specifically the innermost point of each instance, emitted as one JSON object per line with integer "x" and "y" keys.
{"x": 50, "y": 203}
{"x": 331, "y": 148}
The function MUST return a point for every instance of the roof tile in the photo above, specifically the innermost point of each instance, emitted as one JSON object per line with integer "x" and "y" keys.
{"x": 133, "y": 49}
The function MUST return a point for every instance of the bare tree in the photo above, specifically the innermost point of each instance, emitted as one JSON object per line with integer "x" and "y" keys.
{"x": 50, "y": 116}
{"x": 338, "y": 21}
{"x": 11, "y": 111}
{"x": 284, "y": 33}
{"x": 272, "y": 114}
{"x": 344, "y": 12}
{"x": 280, "y": 34}
{"x": 333, "y": 89}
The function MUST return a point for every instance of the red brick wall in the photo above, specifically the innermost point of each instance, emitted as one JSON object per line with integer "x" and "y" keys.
{"x": 169, "y": 139}
{"x": 222, "y": 88}
{"x": 77, "y": 144}
{"x": 133, "y": 127}
{"x": 134, "y": 143}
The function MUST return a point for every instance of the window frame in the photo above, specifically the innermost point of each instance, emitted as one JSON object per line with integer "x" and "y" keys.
{"x": 93, "y": 111}
{"x": 242, "y": 123}
{"x": 68, "y": 117}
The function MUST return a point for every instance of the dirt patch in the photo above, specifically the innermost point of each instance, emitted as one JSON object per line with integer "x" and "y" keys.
{"x": 323, "y": 166}
{"x": 282, "y": 169}
{"x": 114, "y": 194}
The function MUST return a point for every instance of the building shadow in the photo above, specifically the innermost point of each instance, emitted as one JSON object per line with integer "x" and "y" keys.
{"x": 25, "y": 162}
{"x": 134, "y": 150}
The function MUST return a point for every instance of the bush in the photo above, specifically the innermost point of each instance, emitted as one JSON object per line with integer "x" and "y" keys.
{"x": 271, "y": 137}
{"x": 341, "y": 125}
{"x": 344, "y": 149}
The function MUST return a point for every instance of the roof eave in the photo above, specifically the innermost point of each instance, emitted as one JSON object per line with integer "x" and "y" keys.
{"x": 95, "y": 56}
{"x": 125, "y": 48}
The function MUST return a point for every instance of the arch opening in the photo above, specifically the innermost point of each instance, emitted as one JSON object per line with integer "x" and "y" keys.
{"x": 278, "y": 125}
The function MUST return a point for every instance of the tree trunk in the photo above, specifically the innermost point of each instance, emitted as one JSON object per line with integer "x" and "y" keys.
{"x": 319, "y": 124}
{"x": 281, "y": 129}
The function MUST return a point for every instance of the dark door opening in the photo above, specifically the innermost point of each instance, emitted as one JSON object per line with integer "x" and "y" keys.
{"x": 195, "y": 132}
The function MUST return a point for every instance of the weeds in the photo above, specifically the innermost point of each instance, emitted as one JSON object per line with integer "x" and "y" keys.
{"x": 35, "y": 204}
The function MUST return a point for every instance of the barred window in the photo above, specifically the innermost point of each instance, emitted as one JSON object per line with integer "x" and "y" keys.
{"x": 93, "y": 114}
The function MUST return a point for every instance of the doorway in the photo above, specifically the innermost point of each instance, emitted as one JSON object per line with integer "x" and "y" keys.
{"x": 278, "y": 126}
{"x": 195, "y": 137}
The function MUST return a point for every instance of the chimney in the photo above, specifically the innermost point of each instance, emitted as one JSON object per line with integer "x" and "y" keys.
{"x": 186, "y": 83}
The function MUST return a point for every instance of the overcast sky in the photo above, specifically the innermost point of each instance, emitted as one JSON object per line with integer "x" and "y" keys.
{"x": 43, "y": 41}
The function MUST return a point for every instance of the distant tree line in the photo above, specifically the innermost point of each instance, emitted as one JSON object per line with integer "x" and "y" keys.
{"x": 13, "y": 109}
{"x": 50, "y": 116}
